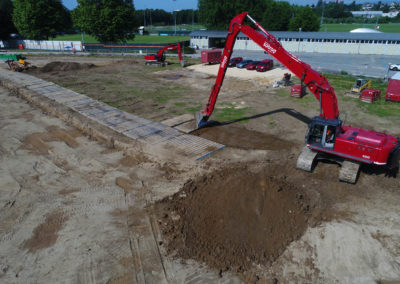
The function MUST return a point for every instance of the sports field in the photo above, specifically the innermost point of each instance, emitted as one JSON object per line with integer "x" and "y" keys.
{"x": 386, "y": 28}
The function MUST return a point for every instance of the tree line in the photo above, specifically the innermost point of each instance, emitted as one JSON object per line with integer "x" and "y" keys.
{"x": 273, "y": 15}
{"x": 106, "y": 20}
{"x": 158, "y": 17}
{"x": 117, "y": 20}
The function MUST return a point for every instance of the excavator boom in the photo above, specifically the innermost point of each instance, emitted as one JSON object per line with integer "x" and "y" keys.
{"x": 327, "y": 137}
{"x": 160, "y": 56}
{"x": 317, "y": 83}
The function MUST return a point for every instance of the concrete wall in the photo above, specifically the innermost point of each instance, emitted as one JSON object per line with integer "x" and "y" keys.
{"x": 44, "y": 45}
{"x": 321, "y": 46}
{"x": 199, "y": 41}
{"x": 53, "y": 45}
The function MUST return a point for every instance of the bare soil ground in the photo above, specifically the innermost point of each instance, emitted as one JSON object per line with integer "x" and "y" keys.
{"x": 245, "y": 212}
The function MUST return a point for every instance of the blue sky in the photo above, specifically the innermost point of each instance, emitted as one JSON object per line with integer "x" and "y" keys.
{"x": 170, "y": 5}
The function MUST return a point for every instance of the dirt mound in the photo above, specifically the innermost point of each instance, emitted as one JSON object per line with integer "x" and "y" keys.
{"x": 65, "y": 66}
{"x": 235, "y": 218}
{"x": 240, "y": 137}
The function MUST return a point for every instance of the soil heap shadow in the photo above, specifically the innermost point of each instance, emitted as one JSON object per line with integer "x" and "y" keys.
{"x": 234, "y": 218}
{"x": 240, "y": 137}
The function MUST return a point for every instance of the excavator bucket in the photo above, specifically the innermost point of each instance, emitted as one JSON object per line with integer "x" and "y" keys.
{"x": 201, "y": 120}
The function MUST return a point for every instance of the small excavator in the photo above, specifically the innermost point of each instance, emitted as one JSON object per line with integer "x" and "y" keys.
{"x": 159, "y": 58}
{"x": 359, "y": 86}
{"x": 327, "y": 137}
{"x": 18, "y": 66}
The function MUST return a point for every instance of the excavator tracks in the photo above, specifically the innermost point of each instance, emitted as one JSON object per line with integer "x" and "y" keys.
{"x": 349, "y": 171}
{"x": 306, "y": 159}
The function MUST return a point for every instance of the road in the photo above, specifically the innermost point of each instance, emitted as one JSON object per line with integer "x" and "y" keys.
{"x": 355, "y": 64}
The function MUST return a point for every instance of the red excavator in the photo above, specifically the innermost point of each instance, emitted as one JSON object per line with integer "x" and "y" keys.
{"x": 327, "y": 137}
{"x": 159, "y": 58}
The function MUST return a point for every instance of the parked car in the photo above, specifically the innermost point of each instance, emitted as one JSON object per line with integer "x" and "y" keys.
{"x": 234, "y": 61}
{"x": 394, "y": 67}
{"x": 265, "y": 65}
{"x": 243, "y": 63}
{"x": 252, "y": 65}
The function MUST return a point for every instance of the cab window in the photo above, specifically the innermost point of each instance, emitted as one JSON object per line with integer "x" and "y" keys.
{"x": 316, "y": 133}
{"x": 330, "y": 134}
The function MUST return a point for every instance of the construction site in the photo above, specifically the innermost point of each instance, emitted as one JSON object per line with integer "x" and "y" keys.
{"x": 107, "y": 176}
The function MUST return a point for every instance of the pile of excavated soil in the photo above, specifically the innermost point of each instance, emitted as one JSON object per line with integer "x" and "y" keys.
{"x": 240, "y": 137}
{"x": 235, "y": 218}
{"x": 65, "y": 66}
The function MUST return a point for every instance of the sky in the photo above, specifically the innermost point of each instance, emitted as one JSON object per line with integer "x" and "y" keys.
{"x": 170, "y": 5}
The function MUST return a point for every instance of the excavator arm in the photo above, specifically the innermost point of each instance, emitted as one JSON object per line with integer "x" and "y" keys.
{"x": 160, "y": 53}
{"x": 159, "y": 58}
{"x": 315, "y": 82}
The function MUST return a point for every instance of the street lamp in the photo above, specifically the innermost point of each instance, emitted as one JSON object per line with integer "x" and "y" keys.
{"x": 175, "y": 19}
{"x": 322, "y": 15}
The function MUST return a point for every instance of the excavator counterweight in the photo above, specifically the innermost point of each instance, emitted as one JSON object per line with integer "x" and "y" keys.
{"x": 327, "y": 137}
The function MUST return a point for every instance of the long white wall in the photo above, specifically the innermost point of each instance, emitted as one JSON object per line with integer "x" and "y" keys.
{"x": 44, "y": 45}
{"x": 328, "y": 46}
{"x": 53, "y": 45}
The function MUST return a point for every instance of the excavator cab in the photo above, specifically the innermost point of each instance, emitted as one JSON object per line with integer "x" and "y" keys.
{"x": 323, "y": 132}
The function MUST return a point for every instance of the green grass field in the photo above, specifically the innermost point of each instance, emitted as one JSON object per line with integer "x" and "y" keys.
{"x": 138, "y": 38}
{"x": 387, "y": 28}
{"x": 193, "y": 27}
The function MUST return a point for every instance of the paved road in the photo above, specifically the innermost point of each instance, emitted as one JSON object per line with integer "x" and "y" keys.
{"x": 355, "y": 64}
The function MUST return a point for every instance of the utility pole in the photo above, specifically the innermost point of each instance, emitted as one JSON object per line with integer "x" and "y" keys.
{"x": 151, "y": 21}
{"x": 175, "y": 12}
{"x": 322, "y": 16}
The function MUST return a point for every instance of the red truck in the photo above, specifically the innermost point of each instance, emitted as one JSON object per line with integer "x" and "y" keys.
{"x": 211, "y": 56}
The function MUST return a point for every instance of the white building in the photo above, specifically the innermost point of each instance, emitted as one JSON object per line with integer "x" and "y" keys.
{"x": 367, "y": 14}
{"x": 322, "y": 42}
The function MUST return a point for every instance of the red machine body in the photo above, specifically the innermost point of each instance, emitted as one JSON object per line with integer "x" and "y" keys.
{"x": 326, "y": 132}
{"x": 160, "y": 56}
{"x": 370, "y": 95}
{"x": 211, "y": 56}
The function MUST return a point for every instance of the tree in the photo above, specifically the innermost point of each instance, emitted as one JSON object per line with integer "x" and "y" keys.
{"x": 6, "y": 23}
{"x": 106, "y": 20}
{"x": 305, "y": 19}
{"x": 277, "y": 16}
{"x": 38, "y": 19}
{"x": 218, "y": 14}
